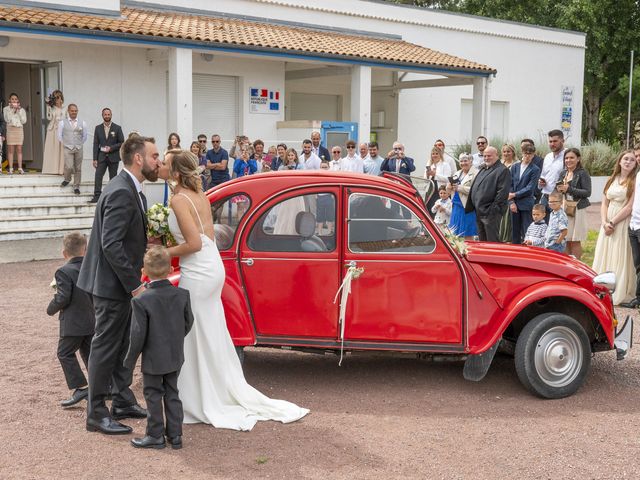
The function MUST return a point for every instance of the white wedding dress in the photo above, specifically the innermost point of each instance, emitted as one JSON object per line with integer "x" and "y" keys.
{"x": 211, "y": 383}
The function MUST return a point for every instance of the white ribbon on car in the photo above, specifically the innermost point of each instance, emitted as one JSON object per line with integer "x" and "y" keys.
{"x": 353, "y": 272}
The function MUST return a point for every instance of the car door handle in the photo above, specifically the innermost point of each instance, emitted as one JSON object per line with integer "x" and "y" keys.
{"x": 247, "y": 261}
{"x": 350, "y": 264}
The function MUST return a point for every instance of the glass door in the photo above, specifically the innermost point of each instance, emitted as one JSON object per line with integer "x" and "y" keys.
{"x": 45, "y": 78}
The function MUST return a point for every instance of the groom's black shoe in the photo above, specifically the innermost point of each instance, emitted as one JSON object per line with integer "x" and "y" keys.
{"x": 134, "y": 411}
{"x": 78, "y": 395}
{"x": 175, "y": 442}
{"x": 108, "y": 426}
{"x": 148, "y": 442}
{"x": 635, "y": 303}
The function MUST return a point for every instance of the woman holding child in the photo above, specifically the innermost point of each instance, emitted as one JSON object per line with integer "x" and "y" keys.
{"x": 613, "y": 251}
{"x": 461, "y": 223}
{"x": 575, "y": 186}
{"x": 212, "y": 385}
{"x": 438, "y": 171}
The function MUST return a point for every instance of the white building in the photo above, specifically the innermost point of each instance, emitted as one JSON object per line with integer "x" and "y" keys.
{"x": 196, "y": 66}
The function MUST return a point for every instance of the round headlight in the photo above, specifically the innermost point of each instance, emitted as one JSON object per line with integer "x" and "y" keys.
{"x": 606, "y": 280}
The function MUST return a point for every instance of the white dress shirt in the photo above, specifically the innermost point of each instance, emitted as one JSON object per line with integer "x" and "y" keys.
{"x": 352, "y": 164}
{"x": 551, "y": 168}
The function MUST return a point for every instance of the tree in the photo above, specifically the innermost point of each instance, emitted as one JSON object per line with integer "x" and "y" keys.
{"x": 612, "y": 28}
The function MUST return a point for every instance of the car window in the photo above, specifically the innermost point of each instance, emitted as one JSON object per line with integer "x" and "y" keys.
{"x": 306, "y": 223}
{"x": 227, "y": 214}
{"x": 378, "y": 224}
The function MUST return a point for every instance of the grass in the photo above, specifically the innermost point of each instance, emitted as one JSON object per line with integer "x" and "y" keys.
{"x": 261, "y": 460}
{"x": 589, "y": 246}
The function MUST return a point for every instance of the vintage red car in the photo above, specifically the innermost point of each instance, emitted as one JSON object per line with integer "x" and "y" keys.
{"x": 288, "y": 240}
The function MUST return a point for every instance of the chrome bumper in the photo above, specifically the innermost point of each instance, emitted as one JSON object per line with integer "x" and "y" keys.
{"x": 624, "y": 339}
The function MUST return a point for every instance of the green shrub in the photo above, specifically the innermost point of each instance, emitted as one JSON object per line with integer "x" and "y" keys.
{"x": 599, "y": 158}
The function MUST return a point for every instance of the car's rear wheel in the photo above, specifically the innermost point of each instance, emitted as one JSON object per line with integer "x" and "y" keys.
{"x": 552, "y": 355}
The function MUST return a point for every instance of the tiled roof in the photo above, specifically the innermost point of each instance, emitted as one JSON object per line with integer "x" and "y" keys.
{"x": 245, "y": 34}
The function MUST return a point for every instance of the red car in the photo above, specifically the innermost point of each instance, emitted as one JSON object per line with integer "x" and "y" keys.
{"x": 289, "y": 240}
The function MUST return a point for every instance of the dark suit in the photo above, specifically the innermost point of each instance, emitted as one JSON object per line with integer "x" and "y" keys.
{"x": 323, "y": 152}
{"x": 538, "y": 161}
{"x": 524, "y": 186}
{"x": 161, "y": 318}
{"x": 488, "y": 197}
{"x": 110, "y": 272}
{"x": 77, "y": 321}
{"x": 110, "y": 159}
{"x": 390, "y": 165}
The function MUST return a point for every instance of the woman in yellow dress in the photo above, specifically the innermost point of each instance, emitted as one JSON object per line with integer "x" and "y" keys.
{"x": 53, "y": 159}
{"x": 613, "y": 250}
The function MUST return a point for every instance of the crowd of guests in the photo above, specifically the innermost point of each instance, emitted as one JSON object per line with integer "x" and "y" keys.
{"x": 542, "y": 202}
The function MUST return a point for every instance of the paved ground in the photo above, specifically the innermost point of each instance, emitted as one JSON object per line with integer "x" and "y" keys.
{"x": 374, "y": 417}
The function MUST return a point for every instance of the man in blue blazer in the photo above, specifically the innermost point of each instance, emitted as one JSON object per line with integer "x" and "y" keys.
{"x": 397, "y": 162}
{"x": 524, "y": 181}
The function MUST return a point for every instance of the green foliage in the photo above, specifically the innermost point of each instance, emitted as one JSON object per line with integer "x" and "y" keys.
{"x": 599, "y": 157}
{"x": 589, "y": 247}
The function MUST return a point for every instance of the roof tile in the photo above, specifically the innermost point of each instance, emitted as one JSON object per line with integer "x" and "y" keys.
{"x": 243, "y": 32}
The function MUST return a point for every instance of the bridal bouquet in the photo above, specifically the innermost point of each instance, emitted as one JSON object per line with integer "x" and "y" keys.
{"x": 158, "y": 224}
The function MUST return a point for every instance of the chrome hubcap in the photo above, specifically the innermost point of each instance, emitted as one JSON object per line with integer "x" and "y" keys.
{"x": 558, "y": 356}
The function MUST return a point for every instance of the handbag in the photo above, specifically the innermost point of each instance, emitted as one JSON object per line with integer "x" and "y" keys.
{"x": 570, "y": 207}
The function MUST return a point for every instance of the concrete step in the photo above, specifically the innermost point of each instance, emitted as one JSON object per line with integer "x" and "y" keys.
{"x": 6, "y": 189}
{"x": 67, "y": 198}
{"x": 33, "y": 179}
{"x": 33, "y": 233}
{"x": 45, "y": 223}
{"x": 45, "y": 210}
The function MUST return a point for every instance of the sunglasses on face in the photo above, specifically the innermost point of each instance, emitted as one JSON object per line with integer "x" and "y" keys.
{"x": 215, "y": 141}
{"x": 202, "y": 141}
{"x": 481, "y": 143}
{"x": 349, "y": 147}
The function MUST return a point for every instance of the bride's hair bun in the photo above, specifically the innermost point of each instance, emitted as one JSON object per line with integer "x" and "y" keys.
{"x": 185, "y": 164}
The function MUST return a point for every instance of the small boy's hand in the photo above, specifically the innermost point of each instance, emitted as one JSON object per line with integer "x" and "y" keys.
{"x": 528, "y": 242}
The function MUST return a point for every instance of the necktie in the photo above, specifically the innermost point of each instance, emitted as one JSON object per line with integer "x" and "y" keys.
{"x": 144, "y": 201}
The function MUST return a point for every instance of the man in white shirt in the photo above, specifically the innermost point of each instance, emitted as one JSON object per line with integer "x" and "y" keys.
{"x": 336, "y": 159}
{"x": 552, "y": 166}
{"x": 72, "y": 133}
{"x": 374, "y": 161}
{"x": 478, "y": 158}
{"x": 310, "y": 160}
{"x": 363, "y": 148}
{"x": 352, "y": 162}
{"x": 634, "y": 239}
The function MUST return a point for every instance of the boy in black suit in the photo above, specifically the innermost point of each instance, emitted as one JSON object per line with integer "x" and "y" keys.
{"x": 77, "y": 317}
{"x": 161, "y": 318}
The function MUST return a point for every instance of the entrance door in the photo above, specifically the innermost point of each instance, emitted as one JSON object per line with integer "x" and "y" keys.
{"x": 290, "y": 266}
{"x": 411, "y": 288}
{"x": 45, "y": 78}
{"x": 338, "y": 133}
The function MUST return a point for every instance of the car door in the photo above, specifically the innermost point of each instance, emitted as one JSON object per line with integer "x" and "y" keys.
{"x": 411, "y": 289}
{"x": 290, "y": 265}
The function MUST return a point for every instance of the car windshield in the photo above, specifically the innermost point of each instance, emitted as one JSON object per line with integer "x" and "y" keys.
{"x": 424, "y": 188}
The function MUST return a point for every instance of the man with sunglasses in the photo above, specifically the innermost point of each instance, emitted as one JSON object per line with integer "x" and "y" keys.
{"x": 217, "y": 162}
{"x": 397, "y": 161}
{"x": 202, "y": 141}
{"x": 352, "y": 162}
{"x": 478, "y": 158}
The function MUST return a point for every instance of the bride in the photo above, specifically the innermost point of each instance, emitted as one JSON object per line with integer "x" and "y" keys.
{"x": 211, "y": 383}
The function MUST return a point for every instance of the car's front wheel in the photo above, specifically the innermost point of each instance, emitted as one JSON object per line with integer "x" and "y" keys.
{"x": 553, "y": 355}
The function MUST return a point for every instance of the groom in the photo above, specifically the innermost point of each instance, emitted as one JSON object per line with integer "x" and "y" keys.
{"x": 111, "y": 274}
